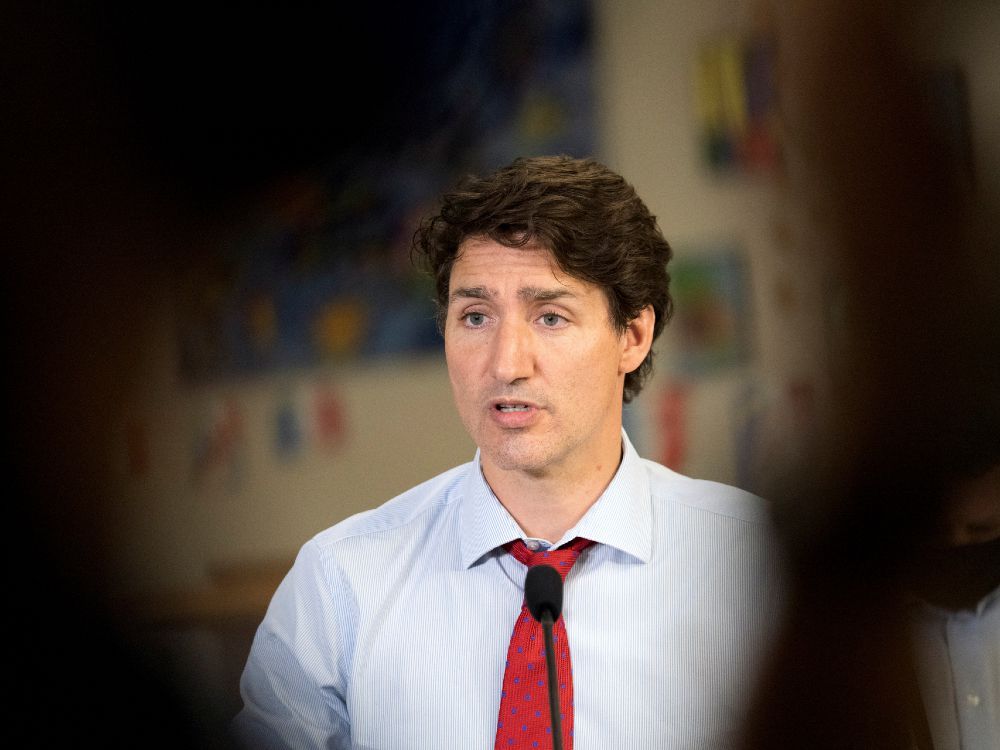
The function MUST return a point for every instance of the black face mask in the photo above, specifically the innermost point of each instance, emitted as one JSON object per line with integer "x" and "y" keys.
{"x": 957, "y": 577}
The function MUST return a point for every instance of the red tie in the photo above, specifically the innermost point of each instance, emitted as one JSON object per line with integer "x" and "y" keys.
{"x": 524, "y": 703}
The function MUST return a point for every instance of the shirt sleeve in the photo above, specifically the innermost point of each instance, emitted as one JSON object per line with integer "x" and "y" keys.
{"x": 295, "y": 679}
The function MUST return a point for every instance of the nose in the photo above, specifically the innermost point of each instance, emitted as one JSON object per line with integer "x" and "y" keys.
{"x": 513, "y": 356}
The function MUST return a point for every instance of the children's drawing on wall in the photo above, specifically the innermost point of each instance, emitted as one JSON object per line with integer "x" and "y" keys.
{"x": 322, "y": 274}
{"x": 329, "y": 419}
{"x": 219, "y": 444}
{"x": 710, "y": 329}
{"x": 672, "y": 418}
{"x": 735, "y": 81}
{"x": 288, "y": 431}
{"x": 308, "y": 417}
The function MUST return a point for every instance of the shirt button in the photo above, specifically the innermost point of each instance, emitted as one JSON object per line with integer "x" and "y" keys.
{"x": 532, "y": 545}
{"x": 972, "y": 699}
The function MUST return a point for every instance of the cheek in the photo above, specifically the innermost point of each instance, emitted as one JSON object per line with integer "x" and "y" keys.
{"x": 461, "y": 372}
{"x": 452, "y": 357}
{"x": 587, "y": 377}
{"x": 600, "y": 363}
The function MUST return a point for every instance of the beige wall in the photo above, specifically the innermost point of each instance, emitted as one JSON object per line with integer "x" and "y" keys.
{"x": 646, "y": 62}
{"x": 401, "y": 425}
{"x": 171, "y": 531}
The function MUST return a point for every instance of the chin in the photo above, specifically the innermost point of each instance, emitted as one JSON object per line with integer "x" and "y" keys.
{"x": 509, "y": 457}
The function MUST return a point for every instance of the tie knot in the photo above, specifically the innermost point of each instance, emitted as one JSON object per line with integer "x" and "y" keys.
{"x": 561, "y": 559}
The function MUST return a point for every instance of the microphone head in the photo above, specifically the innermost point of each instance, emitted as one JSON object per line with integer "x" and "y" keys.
{"x": 543, "y": 590}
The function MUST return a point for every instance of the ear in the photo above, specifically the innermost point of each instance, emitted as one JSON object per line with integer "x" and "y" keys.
{"x": 637, "y": 340}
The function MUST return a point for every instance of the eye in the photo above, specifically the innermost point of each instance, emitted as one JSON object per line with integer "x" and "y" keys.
{"x": 474, "y": 319}
{"x": 552, "y": 320}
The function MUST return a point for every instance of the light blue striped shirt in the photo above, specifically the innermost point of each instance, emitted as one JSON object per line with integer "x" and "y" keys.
{"x": 392, "y": 627}
{"x": 958, "y": 667}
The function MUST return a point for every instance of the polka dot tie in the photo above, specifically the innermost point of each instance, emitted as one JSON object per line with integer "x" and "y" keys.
{"x": 524, "y": 702}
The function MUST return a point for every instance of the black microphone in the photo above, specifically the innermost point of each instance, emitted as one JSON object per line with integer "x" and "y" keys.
{"x": 543, "y": 594}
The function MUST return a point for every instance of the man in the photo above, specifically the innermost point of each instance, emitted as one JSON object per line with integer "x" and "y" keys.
{"x": 394, "y": 627}
{"x": 955, "y": 610}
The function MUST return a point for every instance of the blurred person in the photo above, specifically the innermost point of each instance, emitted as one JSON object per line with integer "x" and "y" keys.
{"x": 955, "y": 611}
{"x": 911, "y": 269}
{"x": 394, "y": 627}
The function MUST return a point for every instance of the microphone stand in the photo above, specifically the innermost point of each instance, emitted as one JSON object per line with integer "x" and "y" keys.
{"x": 550, "y": 663}
{"x": 543, "y": 594}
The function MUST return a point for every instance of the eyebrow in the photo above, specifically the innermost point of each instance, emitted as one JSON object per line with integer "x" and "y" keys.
{"x": 525, "y": 293}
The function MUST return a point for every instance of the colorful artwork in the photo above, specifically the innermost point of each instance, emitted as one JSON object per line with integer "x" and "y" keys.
{"x": 737, "y": 107}
{"x": 219, "y": 446}
{"x": 308, "y": 417}
{"x": 710, "y": 327}
{"x": 288, "y": 433}
{"x": 329, "y": 422}
{"x": 672, "y": 412}
{"x": 325, "y": 275}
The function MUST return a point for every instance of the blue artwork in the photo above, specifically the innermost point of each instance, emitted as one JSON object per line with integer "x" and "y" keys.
{"x": 325, "y": 276}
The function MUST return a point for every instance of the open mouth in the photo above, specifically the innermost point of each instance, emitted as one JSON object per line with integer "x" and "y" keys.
{"x": 511, "y": 407}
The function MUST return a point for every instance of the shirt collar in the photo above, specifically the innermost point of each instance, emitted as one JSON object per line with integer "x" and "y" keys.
{"x": 621, "y": 517}
{"x": 934, "y": 611}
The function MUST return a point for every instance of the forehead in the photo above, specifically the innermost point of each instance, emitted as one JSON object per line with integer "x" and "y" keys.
{"x": 490, "y": 261}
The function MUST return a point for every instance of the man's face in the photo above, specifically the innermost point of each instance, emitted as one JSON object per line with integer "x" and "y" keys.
{"x": 536, "y": 367}
{"x": 973, "y": 513}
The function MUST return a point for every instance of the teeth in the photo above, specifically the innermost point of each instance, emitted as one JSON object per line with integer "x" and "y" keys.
{"x": 513, "y": 407}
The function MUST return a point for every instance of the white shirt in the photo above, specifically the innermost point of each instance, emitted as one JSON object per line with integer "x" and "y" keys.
{"x": 958, "y": 668}
{"x": 391, "y": 629}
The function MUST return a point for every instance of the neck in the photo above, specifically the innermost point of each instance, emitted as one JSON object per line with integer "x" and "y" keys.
{"x": 546, "y": 506}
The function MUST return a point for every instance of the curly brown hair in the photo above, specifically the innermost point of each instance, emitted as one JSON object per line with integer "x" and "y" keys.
{"x": 596, "y": 227}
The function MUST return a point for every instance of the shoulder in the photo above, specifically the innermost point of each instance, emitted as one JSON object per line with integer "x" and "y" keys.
{"x": 725, "y": 537}
{"x": 358, "y": 561}
{"x": 703, "y": 496}
{"x": 417, "y": 507}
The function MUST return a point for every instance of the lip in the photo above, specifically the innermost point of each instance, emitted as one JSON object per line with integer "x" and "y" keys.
{"x": 512, "y": 420}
